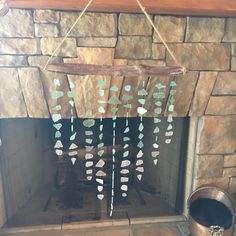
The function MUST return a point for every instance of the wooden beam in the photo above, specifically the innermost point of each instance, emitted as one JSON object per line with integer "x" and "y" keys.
{"x": 116, "y": 71}
{"x": 173, "y": 7}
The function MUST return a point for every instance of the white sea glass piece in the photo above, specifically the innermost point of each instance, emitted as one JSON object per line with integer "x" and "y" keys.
{"x": 89, "y": 164}
{"x": 125, "y": 163}
{"x": 73, "y": 160}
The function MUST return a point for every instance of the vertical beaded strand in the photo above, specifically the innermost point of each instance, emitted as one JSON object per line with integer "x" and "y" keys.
{"x": 141, "y": 111}
{"x": 100, "y": 174}
{"x": 125, "y": 164}
{"x": 171, "y": 105}
{"x": 159, "y": 96}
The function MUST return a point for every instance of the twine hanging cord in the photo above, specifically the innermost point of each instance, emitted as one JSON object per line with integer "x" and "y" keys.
{"x": 148, "y": 18}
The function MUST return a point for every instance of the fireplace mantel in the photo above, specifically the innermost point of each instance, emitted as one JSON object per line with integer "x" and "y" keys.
{"x": 174, "y": 7}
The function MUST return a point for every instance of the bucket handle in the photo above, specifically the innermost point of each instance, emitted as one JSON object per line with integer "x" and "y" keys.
{"x": 216, "y": 230}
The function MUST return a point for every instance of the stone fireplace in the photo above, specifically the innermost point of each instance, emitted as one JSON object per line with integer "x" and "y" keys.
{"x": 206, "y": 95}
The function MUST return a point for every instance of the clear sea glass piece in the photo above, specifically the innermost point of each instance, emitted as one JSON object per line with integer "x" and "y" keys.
{"x": 73, "y": 136}
{"x": 140, "y": 144}
{"x": 100, "y": 163}
{"x": 140, "y": 154}
{"x": 89, "y": 123}
{"x": 125, "y": 163}
{"x": 73, "y": 160}
{"x": 58, "y": 144}
{"x": 126, "y": 154}
{"x": 101, "y": 92}
{"x": 88, "y": 132}
{"x": 155, "y": 153}
{"x": 73, "y": 146}
{"x": 141, "y": 110}
{"x": 58, "y": 134}
{"x": 57, "y": 126}
{"x": 156, "y": 130}
{"x": 124, "y": 171}
{"x": 88, "y": 156}
{"x": 100, "y": 196}
{"x": 57, "y": 82}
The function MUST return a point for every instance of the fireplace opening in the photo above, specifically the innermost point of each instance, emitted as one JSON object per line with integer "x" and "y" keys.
{"x": 40, "y": 188}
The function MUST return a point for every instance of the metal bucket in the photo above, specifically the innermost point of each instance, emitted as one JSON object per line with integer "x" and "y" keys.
{"x": 211, "y": 212}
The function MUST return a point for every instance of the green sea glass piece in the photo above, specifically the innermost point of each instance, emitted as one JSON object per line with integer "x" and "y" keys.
{"x": 71, "y": 94}
{"x": 114, "y": 88}
{"x": 159, "y": 95}
{"x": 172, "y": 92}
{"x": 140, "y": 144}
{"x": 156, "y": 130}
{"x": 173, "y": 84}
{"x": 100, "y": 145}
{"x": 57, "y": 126}
{"x": 127, "y": 130}
{"x": 160, "y": 86}
{"x": 100, "y": 153}
{"x": 170, "y": 127}
{"x": 140, "y": 136}
{"x": 125, "y": 139}
{"x": 126, "y": 153}
{"x": 101, "y": 83}
{"x": 142, "y": 92}
{"x": 57, "y": 94}
{"x": 114, "y": 109}
{"x": 127, "y": 88}
{"x": 128, "y": 106}
{"x": 127, "y": 97}
{"x": 142, "y": 101}
{"x": 101, "y": 110}
{"x": 114, "y": 100}
{"x": 170, "y": 119}
{"x": 141, "y": 127}
{"x": 158, "y": 103}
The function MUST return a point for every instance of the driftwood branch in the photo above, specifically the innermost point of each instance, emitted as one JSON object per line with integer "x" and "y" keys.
{"x": 108, "y": 70}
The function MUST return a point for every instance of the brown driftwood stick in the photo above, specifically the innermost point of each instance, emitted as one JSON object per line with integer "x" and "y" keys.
{"x": 108, "y": 70}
